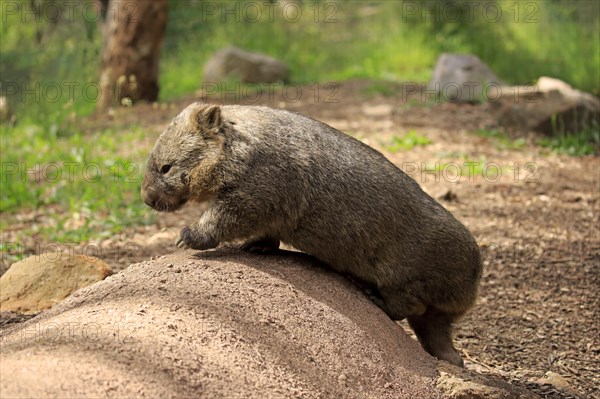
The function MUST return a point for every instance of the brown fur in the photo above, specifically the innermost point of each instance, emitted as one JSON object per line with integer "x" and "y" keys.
{"x": 267, "y": 175}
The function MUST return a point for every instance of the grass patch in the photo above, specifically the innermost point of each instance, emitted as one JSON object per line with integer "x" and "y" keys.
{"x": 501, "y": 140}
{"x": 407, "y": 142}
{"x": 586, "y": 142}
{"x": 383, "y": 88}
{"x": 88, "y": 184}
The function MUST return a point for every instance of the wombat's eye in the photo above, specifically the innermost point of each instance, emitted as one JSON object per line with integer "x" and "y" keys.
{"x": 165, "y": 169}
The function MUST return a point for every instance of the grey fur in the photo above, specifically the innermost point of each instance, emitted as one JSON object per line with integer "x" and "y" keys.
{"x": 267, "y": 175}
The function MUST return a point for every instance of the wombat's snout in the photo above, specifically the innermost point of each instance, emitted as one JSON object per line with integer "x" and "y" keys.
{"x": 161, "y": 202}
{"x": 150, "y": 197}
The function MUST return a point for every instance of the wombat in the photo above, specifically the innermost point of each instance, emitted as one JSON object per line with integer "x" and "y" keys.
{"x": 267, "y": 175}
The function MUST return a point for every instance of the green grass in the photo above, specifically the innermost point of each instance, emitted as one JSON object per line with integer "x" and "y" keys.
{"x": 380, "y": 40}
{"x": 469, "y": 167}
{"x": 501, "y": 140}
{"x": 49, "y": 71}
{"x": 407, "y": 142}
{"x": 586, "y": 142}
{"x": 88, "y": 183}
{"x": 379, "y": 87}
{"x": 340, "y": 46}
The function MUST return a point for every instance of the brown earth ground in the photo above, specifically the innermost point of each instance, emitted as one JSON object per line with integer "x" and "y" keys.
{"x": 534, "y": 213}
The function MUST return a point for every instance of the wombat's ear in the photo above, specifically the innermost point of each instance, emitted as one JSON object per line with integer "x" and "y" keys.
{"x": 207, "y": 118}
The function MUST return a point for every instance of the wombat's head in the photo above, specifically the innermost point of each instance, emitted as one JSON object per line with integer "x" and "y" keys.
{"x": 182, "y": 163}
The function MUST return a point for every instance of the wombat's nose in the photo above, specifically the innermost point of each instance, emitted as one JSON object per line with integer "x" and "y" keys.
{"x": 148, "y": 197}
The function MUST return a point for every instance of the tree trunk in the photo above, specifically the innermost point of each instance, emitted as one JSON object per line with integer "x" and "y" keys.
{"x": 133, "y": 37}
{"x": 101, "y": 8}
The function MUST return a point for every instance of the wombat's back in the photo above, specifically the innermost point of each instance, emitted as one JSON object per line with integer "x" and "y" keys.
{"x": 362, "y": 214}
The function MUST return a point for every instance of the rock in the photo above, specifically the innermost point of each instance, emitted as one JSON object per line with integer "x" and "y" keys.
{"x": 40, "y": 281}
{"x": 162, "y": 238}
{"x": 457, "y": 383}
{"x": 550, "y": 107}
{"x": 557, "y": 381}
{"x": 546, "y": 84}
{"x": 247, "y": 67}
{"x": 462, "y": 78}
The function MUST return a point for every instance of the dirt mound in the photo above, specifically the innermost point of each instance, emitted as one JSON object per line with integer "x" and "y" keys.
{"x": 216, "y": 324}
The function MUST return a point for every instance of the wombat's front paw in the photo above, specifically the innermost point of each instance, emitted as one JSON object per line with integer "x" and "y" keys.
{"x": 189, "y": 238}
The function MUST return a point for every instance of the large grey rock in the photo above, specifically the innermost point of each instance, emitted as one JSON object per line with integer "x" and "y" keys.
{"x": 550, "y": 107}
{"x": 245, "y": 66}
{"x": 40, "y": 281}
{"x": 462, "y": 78}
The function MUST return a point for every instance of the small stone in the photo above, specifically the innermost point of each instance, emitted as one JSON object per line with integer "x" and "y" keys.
{"x": 248, "y": 67}
{"x": 40, "y": 281}
{"x": 459, "y": 383}
{"x": 462, "y": 78}
{"x": 161, "y": 238}
{"x": 558, "y": 382}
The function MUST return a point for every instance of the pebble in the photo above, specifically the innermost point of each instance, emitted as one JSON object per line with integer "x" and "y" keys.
{"x": 558, "y": 382}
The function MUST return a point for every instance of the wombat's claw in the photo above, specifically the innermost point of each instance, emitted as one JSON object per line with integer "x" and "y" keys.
{"x": 184, "y": 236}
{"x": 191, "y": 239}
{"x": 180, "y": 244}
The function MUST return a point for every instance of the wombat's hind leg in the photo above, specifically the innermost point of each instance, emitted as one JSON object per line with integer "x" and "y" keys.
{"x": 261, "y": 245}
{"x": 399, "y": 304}
{"x": 434, "y": 330}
